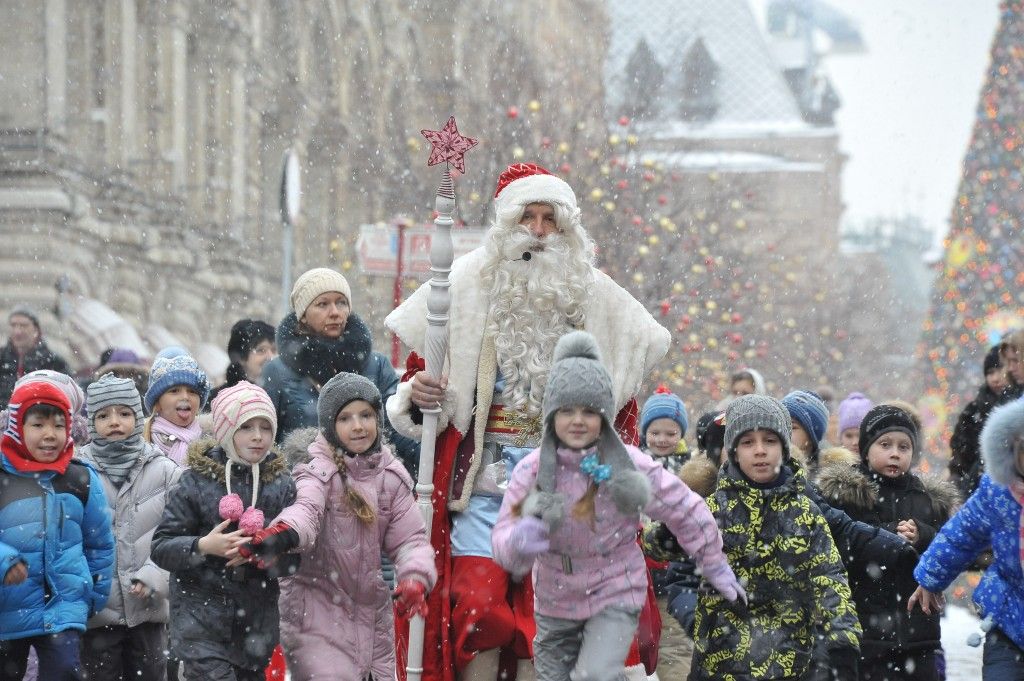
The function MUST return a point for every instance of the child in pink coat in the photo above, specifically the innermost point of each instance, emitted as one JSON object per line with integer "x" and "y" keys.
{"x": 354, "y": 501}
{"x": 571, "y": 514}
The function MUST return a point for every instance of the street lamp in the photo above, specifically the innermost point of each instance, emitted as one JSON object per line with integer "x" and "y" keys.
{"x": 291, "y": 199}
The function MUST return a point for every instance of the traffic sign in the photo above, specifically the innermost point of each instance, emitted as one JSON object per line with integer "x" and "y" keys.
{"x": 377, "y": 248}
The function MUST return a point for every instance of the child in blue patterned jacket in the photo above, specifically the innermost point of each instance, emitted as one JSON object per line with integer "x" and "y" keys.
{"x": 993, "y": 516}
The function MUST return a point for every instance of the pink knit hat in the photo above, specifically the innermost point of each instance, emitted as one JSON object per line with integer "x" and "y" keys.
{"x": 231, "y": 408}
{"x": 852, "y": 411}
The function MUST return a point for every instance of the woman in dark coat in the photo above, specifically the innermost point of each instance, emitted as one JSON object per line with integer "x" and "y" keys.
{"x": 320, "y": 338}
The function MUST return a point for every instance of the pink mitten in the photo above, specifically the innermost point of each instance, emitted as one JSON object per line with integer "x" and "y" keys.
{"x": 230, "y": 507}
{"x": 724, "y": 580}
{"x": 251, "y": 521}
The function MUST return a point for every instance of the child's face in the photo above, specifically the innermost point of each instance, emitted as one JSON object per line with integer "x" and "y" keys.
{"x": 44, "y": 437}
{"x": 759, "y": 455}
{"x": 801, "y": 440}
{"x": 663, "y": 436}
{"x": 179, "y": 405}
{"x": 742, "y": 387}
{"x": 850, "y": 439}
{"x": 996, "y": 380}
{"x": 253, "y": 439}
{"x": 258, "y": 356}
{"x": 356, "y": 426}
{"x": 577, "y": 427}
{"x": 890, "y": 455}
{"x": 115, "y": 422}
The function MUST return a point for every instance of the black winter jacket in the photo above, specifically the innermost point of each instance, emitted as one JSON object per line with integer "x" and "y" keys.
{"x": 965, "y": 464}
{"x": 216, "y": 611}
{"x": 39, "y": 357}
{"x": 881, "y": 594}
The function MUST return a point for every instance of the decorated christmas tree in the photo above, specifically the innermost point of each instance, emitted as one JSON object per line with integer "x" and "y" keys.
{"x": 979, "y": 291}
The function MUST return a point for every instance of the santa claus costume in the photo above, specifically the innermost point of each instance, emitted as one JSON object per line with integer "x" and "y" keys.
{"x": 511, "y": 300}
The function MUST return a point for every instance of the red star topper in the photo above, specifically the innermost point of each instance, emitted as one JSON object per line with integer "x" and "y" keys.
{"x": 448, "y": 145}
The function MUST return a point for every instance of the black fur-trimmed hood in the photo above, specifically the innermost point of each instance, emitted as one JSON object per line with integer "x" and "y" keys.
{"x": 322, "y": 358}
{"x": 202, "y": 459}
{"x": 851, "y": 487}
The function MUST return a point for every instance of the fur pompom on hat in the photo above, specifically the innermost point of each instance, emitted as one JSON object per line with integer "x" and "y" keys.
{"x": 578, "y": 378}
{"x": 663, "y": 404}
{"x": 757, "y": 412}
{"x": 1001, "y": 439}
{"x": 174, "y": 366}
{"x": 314, "y": 283}
{"x": 336, "y": 395}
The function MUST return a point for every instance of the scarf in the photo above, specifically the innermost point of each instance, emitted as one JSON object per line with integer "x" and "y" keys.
{"x": 174, "y": 440}
{"x": 117, "y": 457}
{"x": 322, "y": 358}
{"x": 1017, "y": 490}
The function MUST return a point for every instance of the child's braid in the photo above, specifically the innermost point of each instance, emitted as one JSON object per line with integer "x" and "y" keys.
{"x": 355, "y": 500}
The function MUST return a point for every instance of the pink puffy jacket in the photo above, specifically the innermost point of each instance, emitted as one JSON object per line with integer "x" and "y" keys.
{"x": 337, "y": 620}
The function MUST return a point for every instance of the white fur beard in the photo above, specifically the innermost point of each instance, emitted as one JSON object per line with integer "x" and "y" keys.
{"x": 533, "y": 303}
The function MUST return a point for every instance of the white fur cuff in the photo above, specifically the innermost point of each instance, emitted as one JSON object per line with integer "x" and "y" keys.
{"x": 399, "y": 408}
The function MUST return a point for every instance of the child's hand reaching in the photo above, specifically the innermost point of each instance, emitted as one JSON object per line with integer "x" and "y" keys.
{"x": 530, "y": 536}
{"x": 927, "y": 599}
{"x": 410, "y": 598}
{"x": 219, "y": 543}
{"x": 17, "y": 574}
{"x": 724, "y": 580}
{"x": 908, "y": 530}
{"x": 140, "y": 590}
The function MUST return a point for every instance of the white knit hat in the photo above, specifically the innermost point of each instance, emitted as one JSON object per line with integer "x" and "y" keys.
{"x": 313, "y": 283}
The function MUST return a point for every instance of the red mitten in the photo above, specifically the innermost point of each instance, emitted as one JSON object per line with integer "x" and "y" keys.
{"x": 410, "y": 598}
{"x": 273, "y": 540}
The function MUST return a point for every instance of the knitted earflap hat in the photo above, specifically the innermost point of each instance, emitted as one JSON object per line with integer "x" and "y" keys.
{"x": 663, "y": 404}
{"x": 578, "y": 378}
{"x": 807, "y": 409}
{"x": 339, "y": 392}
{"x": 66, "y": 384}
{"x": 109, "y": 390}
{"x": 314, "y": 283}
{"x": 24, "y": 397}
{"x": 852, "y": 411}
{"x": 887, "y": 418}
{"x": 232, "y": 408}
{"x": 174, "y": 366}
{"x": 757, "y": 412}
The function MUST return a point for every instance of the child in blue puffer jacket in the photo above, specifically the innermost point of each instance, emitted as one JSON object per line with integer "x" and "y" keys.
{"x": 56, "y": 544}
{"x": 993, "y": 516}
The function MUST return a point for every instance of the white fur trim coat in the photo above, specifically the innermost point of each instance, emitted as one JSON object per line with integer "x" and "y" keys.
{"x": 630, "y": 339}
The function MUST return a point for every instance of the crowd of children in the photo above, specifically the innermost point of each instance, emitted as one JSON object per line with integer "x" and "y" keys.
{"x": 157, "y": 547}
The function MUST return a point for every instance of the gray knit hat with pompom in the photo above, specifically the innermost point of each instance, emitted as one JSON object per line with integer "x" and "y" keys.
{"x": 578, "y": 378}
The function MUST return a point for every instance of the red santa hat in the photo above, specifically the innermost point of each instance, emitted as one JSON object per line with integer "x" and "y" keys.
{"x": 524, "y": 183}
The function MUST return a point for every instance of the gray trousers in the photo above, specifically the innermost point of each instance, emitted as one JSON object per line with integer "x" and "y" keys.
{"x": 584, "y": 650}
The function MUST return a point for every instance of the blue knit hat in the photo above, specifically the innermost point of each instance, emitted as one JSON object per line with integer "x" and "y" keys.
{"x": 174, "y": 366}
{"x": 809, "y": 410}
{"x": 663, "y": 404}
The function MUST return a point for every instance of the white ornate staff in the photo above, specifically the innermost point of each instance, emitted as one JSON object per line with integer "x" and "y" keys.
{"x": 449, "y": 147}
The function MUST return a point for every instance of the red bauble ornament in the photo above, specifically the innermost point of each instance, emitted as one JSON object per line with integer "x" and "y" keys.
{"x": 513, "y": 112}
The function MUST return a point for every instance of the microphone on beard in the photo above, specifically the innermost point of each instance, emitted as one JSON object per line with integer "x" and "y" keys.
{"x": 526, "y": 257}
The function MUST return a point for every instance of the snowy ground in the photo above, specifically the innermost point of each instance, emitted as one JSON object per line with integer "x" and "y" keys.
{"x": 963, "y": 663}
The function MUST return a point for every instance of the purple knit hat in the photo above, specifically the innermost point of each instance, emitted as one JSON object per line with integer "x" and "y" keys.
{"x": 852, "y": 411}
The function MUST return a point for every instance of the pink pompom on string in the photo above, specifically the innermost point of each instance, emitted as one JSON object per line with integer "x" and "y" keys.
{"x": 230, "y": 507}
{"x": 251, "y": 521}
